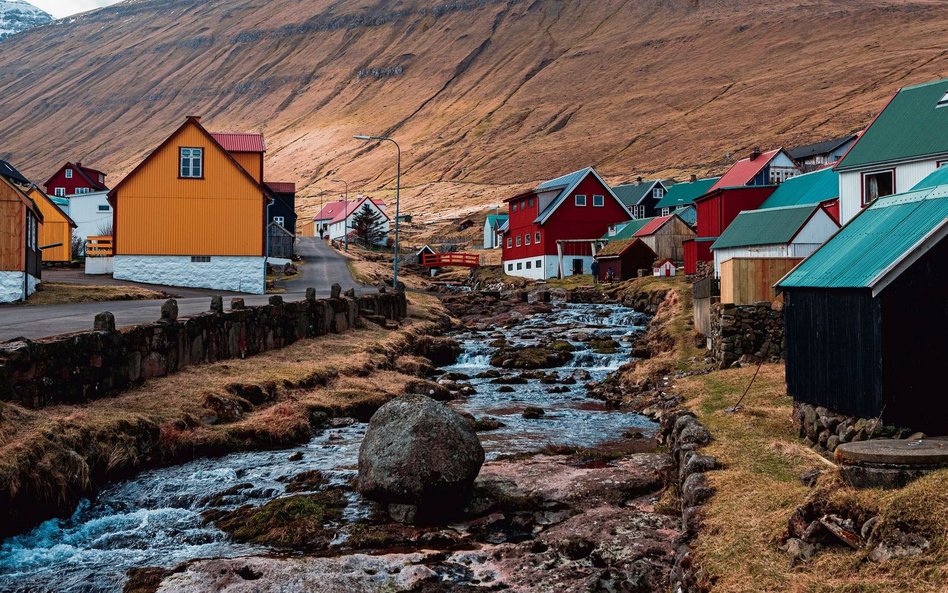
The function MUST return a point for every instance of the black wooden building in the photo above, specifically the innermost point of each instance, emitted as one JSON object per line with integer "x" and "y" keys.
{"x": 283, "y": 209}
{"x": 866, "y": 316}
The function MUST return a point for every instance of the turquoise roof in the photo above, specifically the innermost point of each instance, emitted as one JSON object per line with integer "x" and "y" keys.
{"x": 872, "y": 242}
{"x": 810, "y": 188}
{"x": 684, "y": 194}
{"x": 631, "y": 227}
{"x": 773, "y": 226}
{"x": 912, "y": 126}
{"x": 496, "y": 220}
{"x": 564, "y": 181}
{"x": 937, "y": 177}
{"x": 59, "y": 201}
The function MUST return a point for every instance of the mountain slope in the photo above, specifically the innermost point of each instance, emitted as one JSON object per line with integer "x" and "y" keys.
{"x": 17, "y": 16}
{"x": 485, "y": 96}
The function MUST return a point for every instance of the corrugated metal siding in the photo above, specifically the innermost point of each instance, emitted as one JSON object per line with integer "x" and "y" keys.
{"x": 160, "y": 214}
{"x": 252, "y": 162}
{"x": 833, "y": 342}
{"x": 55, "y": 229}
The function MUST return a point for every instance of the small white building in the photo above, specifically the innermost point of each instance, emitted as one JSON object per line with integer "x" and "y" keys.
{"x": 666, "y": 267}
{"x": 492, "y": 230}
{"x": 336, "y": 218}
{"x": 792, "y": 231}
{"x": 92, "y": 214}
{"x": 906, "y": 142}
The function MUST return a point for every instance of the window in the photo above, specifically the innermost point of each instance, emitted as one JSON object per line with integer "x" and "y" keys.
{"x": 666, "y": 211}
{"x": 538, "y": 264}
{"x": 580, "y": 200}
{"x": 943, "y": 102}
{"x": 103, "y": 207}
{"x": 192, "y": 163}
{"x": 537, "y": 238}
{"x": 200, "y": 259}
{"x": 638, "y": 211}
{"x": 599, "y": 201}
{"x": 780, "y": 174}
{"x": 60, "y": 191}
{"x": 530, "y": 202}
{"x": 509, "y": 242}
{"x": 528, "y": 264}
{"x": 514, "y": 207}
{"x": 82, "y": 190}
{"x": 101, "y": 178}
{"x": 877, "y": 185}
{"x": 526, "y": 239}
{"x": 510, "y": 267}
{"x": 519, "y": 266}
{"x": 279, "y": 220}
{"x": 68, "y": 173}
{"x": 518, "y": 240}
{"x": 658, "y": 193}
{"x": 523, "y": 204}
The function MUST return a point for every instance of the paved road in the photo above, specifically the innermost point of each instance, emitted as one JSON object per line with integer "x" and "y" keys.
{"x": 323, "y": 266}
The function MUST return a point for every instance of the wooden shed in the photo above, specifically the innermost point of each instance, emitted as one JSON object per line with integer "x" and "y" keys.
{"x": 749, "y": 280}
{"x": 866, "y": 315}
{"x": 665, "y": 235}
{"x": 20, "y": 257}
{"x": 279, "y": 241}
{"x": 622, "y": 259}
{"x": 55, "y": 234}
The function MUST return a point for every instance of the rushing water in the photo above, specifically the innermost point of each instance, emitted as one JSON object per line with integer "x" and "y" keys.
{"x": 155, "y": 518}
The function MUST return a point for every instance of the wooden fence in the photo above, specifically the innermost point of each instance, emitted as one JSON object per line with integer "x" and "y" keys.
{"x": 749, "y": 280}
{"x": 100, "y": 246}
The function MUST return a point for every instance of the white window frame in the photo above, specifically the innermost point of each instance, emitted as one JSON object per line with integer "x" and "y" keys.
{"x": 666, "y": 211}
{"x": 526, "y": 239}
{"x": 193, "y": 152}
{"x": 580, "y": 200}
{"x": 518, "y": 240}
{"x": 536, "y": 239}
{"x": 82, "y": 190}
{"x": 658, "y": 193}
{"x": 598, "y": 201}
{"x": 279, "y": 220}
{"x": 68, "y": 173}
{"x": 509, "y": 242}
{"x": 864, "y": 180}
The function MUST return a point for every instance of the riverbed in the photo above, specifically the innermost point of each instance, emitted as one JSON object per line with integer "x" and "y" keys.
{"x": 156, "y": 518}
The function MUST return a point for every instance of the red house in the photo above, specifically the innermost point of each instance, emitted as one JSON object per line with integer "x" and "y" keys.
{"x": 715, "y": 211}
{"x": 75, "y": 179}
{"x": 552, "y": 229}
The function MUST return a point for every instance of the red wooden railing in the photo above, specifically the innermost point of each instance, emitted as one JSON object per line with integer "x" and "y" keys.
{"x": 444, "y": 260}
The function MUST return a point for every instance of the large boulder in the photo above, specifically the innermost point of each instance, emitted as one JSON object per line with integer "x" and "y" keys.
{"x": 420, "y": 453}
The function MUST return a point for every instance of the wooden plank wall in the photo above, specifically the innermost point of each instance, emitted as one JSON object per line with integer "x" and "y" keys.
{"x": 12, "y": 228}
{"x": 749, "y": 280}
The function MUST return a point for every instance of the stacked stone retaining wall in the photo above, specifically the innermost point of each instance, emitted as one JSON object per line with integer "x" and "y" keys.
{"x": 748, "y": 333}
{"x": 79, "y": 367}
{"x": 826, "y": 429}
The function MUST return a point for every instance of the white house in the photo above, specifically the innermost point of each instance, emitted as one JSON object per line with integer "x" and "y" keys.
{"x": 791, "y": 231}
{"x": 92, "y": 214}
{"x": 905, "y": 143}
{"x": 337, "y": 217}
{"x": 492, "y": 230}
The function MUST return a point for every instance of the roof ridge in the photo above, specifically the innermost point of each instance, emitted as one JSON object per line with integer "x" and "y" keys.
{"x": 922, "y": 84}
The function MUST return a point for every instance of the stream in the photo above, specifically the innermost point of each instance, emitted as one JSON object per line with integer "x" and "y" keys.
{"x": 155, "y": 519}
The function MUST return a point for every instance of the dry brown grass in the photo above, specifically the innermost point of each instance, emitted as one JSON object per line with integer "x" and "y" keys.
{"x": 59, "y": 293}
{"x": 759, "y": 487}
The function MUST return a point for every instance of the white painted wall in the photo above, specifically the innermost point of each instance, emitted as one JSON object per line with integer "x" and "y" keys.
{"x": 549, "y": 266}
{"x": 11, "y": 286}
{"x": 99, "y": 266}
{"x": 337, "y": 231}
{"x": 491, "y": 239}
{"x": 231, "y": 273}
{"x": 84, "y": 210}
{"x": 907, "y": 175}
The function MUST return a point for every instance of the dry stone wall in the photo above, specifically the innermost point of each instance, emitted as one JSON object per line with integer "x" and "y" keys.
{"x": 747, "y": 333}
{"x": 79, "y": 367}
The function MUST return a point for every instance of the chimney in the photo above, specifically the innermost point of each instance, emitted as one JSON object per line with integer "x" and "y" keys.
{"x": 78, "y": 163}
{"x": 638, "y": 181}
{"x": 755, "y": 153}
{"x": 694, "y": 178}
{"x": 196, "y": 118}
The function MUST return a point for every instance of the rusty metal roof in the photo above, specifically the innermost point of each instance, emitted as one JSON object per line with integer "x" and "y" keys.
{"x": 239, "y": 142}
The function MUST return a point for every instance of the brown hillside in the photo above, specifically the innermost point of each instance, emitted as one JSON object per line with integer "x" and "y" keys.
{"x": 485, "y": 96}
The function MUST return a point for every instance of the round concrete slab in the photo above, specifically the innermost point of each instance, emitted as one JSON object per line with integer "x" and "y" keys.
{"x": 924, "y": 452}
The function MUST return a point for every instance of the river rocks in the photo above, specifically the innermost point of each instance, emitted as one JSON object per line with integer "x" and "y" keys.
{"x": 551, "y": 355}
{"x": 826, "y": 429}
{"x": 222, "y": 409}
{"x": 533, "y": 413}
{"x": 419, "y": 452}
{"x": 440, "y": 351}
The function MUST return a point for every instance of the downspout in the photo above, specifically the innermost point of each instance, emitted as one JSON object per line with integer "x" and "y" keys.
{"x": 266, "y": 242}
{"x": 26, "y": 255}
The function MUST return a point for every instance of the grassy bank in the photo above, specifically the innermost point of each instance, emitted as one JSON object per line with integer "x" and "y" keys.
{"x": 759, "y": 487}
{"x": 58, "y": 293}
{"x": 51, "y": 457}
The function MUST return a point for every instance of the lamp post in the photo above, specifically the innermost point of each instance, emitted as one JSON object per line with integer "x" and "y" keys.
{"x": 345, "y": 210}
{"x": 398, "y": 183}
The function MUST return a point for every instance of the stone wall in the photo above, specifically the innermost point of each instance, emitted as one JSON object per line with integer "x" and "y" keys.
{"x": 746, "y": 333}
{"x": 11, "y": 286}
{"x": 826, "y": 429}
{"x": 88, "y": 365}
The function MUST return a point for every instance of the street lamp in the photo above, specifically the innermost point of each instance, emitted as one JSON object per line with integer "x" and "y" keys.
{"x": 398, "y": 183}
{"x": 345, "y": 213}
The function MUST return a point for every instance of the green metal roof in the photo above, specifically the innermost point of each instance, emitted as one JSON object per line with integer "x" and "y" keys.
{"x": 631, "y": 227}
{"x": 59, "y": 201}
{"x": 938, "y": 177}
{"x": 774, "y": 226}
{"x": 810, "y": 188}
{"x": 683, "y": 194}
{"x": 495, "y": 220}
{"x": 632, "y": 193}
{"x": 912, "y": 125}
{"x": 874, "y": 241}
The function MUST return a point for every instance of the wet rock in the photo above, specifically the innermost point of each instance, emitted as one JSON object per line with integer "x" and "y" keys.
{"x": 419, "y": 452}
{"x": 487, "y": 424}
{"x": 505, "y": 389}
{"x": 533, "y": 413}
{"x": 440, "y": 351}
{"x": 297, "y": 456}
{"x": 436, "y": 391}
{"x": 221, "y": 408}
{"x": 552, "y": 355}
{"x": 899, "y": 544}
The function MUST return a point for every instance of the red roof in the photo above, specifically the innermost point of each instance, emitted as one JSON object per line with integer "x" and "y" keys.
{"x": 652, "y": 226}
{"x": 353, "y": 206}
{"x": 237, "y": 142}
{"x": 744, "y": 170}
{"x": 282, "y": 187}
{"x": 330, "y": 210}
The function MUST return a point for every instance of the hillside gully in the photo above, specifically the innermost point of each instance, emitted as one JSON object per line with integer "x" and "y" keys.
{"x": 571, "y": 497}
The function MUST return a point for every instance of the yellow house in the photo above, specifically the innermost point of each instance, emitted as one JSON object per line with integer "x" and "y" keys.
{"x": 56, "y": 229}
{"x": 193, "y": 213}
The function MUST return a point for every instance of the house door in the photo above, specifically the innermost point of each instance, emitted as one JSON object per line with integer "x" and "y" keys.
{"x": 577, "y": 266}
